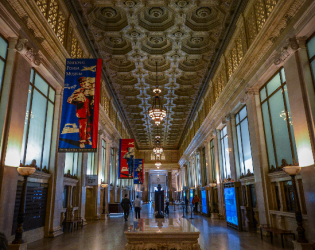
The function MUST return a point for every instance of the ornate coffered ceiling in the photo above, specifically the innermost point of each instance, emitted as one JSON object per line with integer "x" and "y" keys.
{"x": 182, "y": 36}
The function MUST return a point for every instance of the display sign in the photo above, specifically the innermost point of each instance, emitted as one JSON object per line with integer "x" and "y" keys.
{"x": 204, "y": 201}
{"x": 126, "y": 158}
{"x": 138, "y": 171}
{"x": 91, "y": 180}
{"x": 80, "y": 107}
{"x": 230, "y": 205}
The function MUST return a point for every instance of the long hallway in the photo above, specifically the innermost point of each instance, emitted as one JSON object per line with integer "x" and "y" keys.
{"x": 109, "y": 234}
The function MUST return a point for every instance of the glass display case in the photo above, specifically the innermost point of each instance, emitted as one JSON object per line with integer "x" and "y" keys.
{"x": 232, "y": 204}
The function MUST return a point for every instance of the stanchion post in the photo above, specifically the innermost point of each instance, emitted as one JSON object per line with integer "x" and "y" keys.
{"x": 191, "y": 212}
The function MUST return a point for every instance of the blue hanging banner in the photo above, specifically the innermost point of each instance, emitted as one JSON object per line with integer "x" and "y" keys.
{"x": 80, "y": 107}
{"x": 138, "y": 171}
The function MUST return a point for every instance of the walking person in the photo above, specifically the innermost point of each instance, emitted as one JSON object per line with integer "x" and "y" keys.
{"x": 138, "y": 206}
{"x": 195, "y": 201}
{"x": 186, "y": 204}
{"x": 167, "y": 211}
{"x": 126, "y": 205}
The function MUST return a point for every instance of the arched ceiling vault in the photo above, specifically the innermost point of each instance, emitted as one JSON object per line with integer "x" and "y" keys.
{"x": 182, "y": 36}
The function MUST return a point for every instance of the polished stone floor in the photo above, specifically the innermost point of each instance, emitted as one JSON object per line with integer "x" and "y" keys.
{"x": 109, "y": 235}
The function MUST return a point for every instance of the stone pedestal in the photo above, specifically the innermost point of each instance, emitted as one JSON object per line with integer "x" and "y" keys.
{"x": 302, "y": 246}
{"x": 18, "y": 246}
{"x": 162, "y": 234}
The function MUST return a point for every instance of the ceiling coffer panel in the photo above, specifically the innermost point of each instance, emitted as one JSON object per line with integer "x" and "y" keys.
{"x": 175, "y": 40}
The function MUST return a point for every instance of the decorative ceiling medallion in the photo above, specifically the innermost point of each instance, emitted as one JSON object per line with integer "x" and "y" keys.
{"x": 203, "y": 12}
{"x": 130, "y": 4}
{"x": 156, "y": 12}
{"x": 182, "y": 4}
{"x": 108, "y": 12}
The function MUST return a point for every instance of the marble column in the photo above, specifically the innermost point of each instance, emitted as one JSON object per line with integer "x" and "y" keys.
{"x": 169, "y": 185}
{"x": 229, "y": 125}
{"x": 108, "y": 175}
{"x": 146, "y": 187}
{"x": 252, "y": 104}
{"x": 303, "y": 125}
{"x": 81, "y": 186}
{"x": 208, "y": 160}
{"x": 219, "y": 179}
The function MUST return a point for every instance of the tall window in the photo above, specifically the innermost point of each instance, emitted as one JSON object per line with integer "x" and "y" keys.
{"x": 204, "y": 167}
{"x": 225, "y": 157}
{"x": 91, "y": 166}
{"x": 71, "y": 163}
{"x": 112, "y": 166}
{"x": 103, "y": 171}
{"x": 311, "y": 55}
{"x": 243, "y": 143}
{"x": 198, "y": 172}
{"x": 213, "y": 166}
{"x": 3, "y": 57}
{"x": 38, "y": 122}
{"x": 278, "y": 124}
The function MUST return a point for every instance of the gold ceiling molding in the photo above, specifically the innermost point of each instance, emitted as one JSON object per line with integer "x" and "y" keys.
{"x": 180, "y": 36}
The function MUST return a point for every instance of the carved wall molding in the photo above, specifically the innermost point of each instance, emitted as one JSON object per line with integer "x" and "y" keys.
{"x": 28, "y": 52}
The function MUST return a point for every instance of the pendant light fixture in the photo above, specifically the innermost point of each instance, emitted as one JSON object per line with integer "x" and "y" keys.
{"x": 158, "y": 163}
{"x": 158, "y": 149}
{"x": 156, "y": 111}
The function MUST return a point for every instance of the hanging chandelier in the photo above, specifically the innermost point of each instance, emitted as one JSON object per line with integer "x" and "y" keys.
{"x": 158, "y": 164}
{"x": 158, "y": 149}
{"x": 156, "y": 111}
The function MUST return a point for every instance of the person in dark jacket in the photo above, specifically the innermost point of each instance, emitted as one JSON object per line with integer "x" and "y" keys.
{"x": 167, "y": 211}
{"x": 186, "y": 204}
{"x": 126, "y": 205}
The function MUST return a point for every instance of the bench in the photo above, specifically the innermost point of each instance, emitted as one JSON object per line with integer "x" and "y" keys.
{"x": 74, "y": 222}
{"x": 273, "y": 230}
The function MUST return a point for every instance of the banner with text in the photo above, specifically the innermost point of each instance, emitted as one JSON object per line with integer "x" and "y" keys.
{"x": 138, "y": 171}
{"x": 126, "y": 158}
{"x": 80, "y": 107}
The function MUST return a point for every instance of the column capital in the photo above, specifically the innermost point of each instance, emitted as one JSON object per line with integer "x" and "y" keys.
{"x": 285, "y": 52}
{"x": 28, "y": 52}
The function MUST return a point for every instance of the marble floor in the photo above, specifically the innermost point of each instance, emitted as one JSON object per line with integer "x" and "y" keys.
{"x": 109, "y": 235}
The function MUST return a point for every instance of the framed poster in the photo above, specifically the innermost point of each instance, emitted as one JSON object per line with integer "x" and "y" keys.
{"x": 126, "y": 158}
{"x": 80, "y": 106}
{"x": 138, "y": 171}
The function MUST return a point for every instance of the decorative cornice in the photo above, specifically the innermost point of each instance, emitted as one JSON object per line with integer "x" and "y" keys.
{"x": 29, "y": 53}
{"x": 286, "y": 52}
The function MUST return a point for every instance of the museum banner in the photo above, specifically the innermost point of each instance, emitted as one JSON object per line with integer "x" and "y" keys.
{"x": 126, "y": 158}
{"x": 80, "y": 107}
{"x": 138, "y": 171}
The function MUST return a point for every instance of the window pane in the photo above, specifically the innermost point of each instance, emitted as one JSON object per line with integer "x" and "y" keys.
{"x": 41, "y": 84}
{"x": 51, "y": 94}
{"x": 243, "y": 113}
{"x": 227, "y": 158}
{"x": 48, "y": 132}
{"x": 32, "y": 75}
{"x": 237, "y": 119}
{"x": 68, "y": 163}
{"x": 26, "y": 122}
{"x": 313, "y": 69}
{"x": 311, "y": 47}
{"x": 290, "y": 122}
{"x": 2, "y": 66}
{"x": 263, "y": 94}
{"x": 75, "y": 164}
{"x": 280, "y": 129}
{"x": 36, "y": 129}
{"x": 3, "y": 48}
{"x": 273, "y": 84}
{"x": 246, "y": 147}
{"x": 240, "y": 149}
{"x": 283, "y": 75}
{"x": 268, "y": 135}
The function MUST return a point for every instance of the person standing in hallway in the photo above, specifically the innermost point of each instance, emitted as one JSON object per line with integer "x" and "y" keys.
{"x": 186, "y": 204}
{"x": 138, "y": 206}
{"x": 126, "y": 205}
{"x": 195, "y": 201}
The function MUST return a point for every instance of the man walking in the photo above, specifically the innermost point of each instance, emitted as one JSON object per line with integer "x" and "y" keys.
{"x": 137, "y": 205}
{"x": 195, "y": 201}
{"x": 126, "y": 205}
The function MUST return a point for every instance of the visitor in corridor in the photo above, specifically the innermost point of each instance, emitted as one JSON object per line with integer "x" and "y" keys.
{"x": 126, "y": 205}
{"x": 137, "y": 205}
{"x": 195, "y": 202}
{"x": 167, "y": 211}
{"x": 186, "y": 204}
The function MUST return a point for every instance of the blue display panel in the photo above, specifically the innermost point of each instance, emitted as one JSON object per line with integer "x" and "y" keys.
{"x": 230, "y": 205}
{"x": 191, "y": 195}
{"x": 204, "y": 201}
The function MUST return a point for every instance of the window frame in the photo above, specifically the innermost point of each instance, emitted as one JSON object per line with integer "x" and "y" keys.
{"x": 32, "y": 84}
{"x": 238, "y": 154}
{"x": 5, "y": 63}
{"x": 212, "y": 157}
{"x": 310, "y": 60}
{"x": 223, "y": 154}
{"x": 281, "y": 87}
